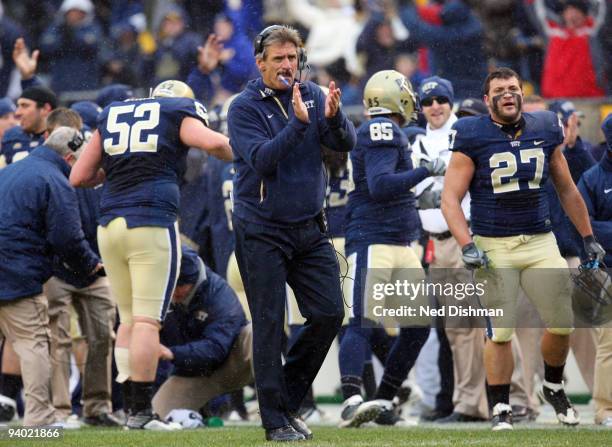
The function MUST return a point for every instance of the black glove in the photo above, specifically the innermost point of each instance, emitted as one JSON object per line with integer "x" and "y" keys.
{"x": 593, "y": 249}
{"x": 474, "y": 257}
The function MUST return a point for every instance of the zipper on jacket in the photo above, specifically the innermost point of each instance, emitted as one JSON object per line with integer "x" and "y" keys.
{"x": 262, "y": 191}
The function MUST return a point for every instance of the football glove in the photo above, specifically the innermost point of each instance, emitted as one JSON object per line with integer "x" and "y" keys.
{"x": 474, "y": 257}
{"x": 436, "y": 167}
{"x": 594, "y": 251}
{"x": 430, "y": 199}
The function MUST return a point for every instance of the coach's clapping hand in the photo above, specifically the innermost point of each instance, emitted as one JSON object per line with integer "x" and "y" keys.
{"x": 332, "y": 101}
{"x": 299, "y": 108}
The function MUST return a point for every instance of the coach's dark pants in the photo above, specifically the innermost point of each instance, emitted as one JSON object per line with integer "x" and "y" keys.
{"x": 301, "y": 256}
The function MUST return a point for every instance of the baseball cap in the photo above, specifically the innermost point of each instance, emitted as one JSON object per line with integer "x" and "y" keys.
{"x": 472, "y": 107}
{"x": 89, "y": 111}
{"x": 190, "y": 266}
{"x": 564, "y": 110}
{"x": 40, "y": 94}
{"x": 436, "y": 86}
{"x": 6, "y": 106}
{"x": 114, "y": 92}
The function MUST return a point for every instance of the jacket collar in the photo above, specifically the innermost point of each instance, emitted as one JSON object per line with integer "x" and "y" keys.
{"x": 259, "y": 91}
{"x": 51, "y": 156}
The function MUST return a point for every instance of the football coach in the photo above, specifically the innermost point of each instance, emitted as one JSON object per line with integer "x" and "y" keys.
{"x": 39, "y": 217}
{"x": 277, "y": 127}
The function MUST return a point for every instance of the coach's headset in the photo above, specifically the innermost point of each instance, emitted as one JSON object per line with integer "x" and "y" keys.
{"x": 76, "y": 141}
{"x": 263, "y": 35}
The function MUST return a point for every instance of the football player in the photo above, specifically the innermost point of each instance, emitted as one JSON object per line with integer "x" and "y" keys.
{"x": 505, "y": 160}
{"x": 141, "y": 146}
{"x": 382, "y": 221}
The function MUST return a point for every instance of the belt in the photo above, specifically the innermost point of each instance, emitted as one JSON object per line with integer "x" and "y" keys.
{"x": 441, "y": 236}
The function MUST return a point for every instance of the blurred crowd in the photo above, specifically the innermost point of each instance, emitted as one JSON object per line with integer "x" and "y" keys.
{"x": 562, "y": 48}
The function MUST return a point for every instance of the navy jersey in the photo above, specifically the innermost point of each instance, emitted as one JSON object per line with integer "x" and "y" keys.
{"x": 143, "y": 158}
{"x": 507, "y": 191}
{"x": 220, "y": 175}
{"x": 17, "y": 144}
{"x": 381, "y": 208}
{"x": 338, "y": 188}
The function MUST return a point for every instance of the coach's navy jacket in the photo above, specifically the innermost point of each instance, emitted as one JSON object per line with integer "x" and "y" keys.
{"x": 569, "y": 241}
{"x": 201, "y": 332}
{"x": 279, "y": 171}
{"x": 89, "y": 210}
{"x": 39, "y": 217}
{"x": 596, "y": 188}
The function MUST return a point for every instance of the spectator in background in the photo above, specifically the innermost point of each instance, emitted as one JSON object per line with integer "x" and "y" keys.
{"x": 382, "y": 39}
{"x": 7, "y": 116}
{"x": 237, "y": 60}
{"x": 176, "y": 45}
{"x": 457, "y": 51}
{"x": 112, "y": 93}
{"x": 9, "y": 32}
{"x": 88, "y": 111}
{"x": 572, "y": 67}
{"x": 72, "y": 46}
{"x": 333, "y": 31}
{"x": 125, "y": 61}
{"x": 605, "y": 40}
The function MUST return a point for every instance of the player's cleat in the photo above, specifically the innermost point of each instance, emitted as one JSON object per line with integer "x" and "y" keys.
{"x": 147, "y": 420}
{"x": 284, "y": 434}
{"x": 356, "y": 412}
{"x": 502, "y": 417}
{"x": 103, "y": 420}
{"x": 300, "y": 426}
{"x": 523, "y": 414}
{"x": 554, "y": 394}
{"x": 8, "y": 408}
{"x": 456, "y": 417}
{"x": 312, "y": 415}
{"x": 391, "y": 418}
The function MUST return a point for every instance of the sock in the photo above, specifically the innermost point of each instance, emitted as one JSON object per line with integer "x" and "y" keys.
{"x": 553, "y": 374}
{"x": 499, "y": 394}
{"x": 388, "y": 387}
{"x": 11, "y": 385}
{"x": 142, "y": 393}
{"x": 350, "y": 385}
{"x": 369, "y": 380}
{"x": 122, "y": 360}
{"x": 126, "y": 393}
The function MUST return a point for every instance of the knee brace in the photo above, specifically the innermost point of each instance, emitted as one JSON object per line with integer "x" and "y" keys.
{"x": 500, "y": 335}
{"x": 560, "y": 330}
{"x": 122, "y": 359}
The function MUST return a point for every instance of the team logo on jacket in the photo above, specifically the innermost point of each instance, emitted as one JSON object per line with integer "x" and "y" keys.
{"x": 201, "y": 315}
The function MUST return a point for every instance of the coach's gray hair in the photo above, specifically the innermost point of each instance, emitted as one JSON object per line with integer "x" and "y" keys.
{"x": 280, "y": 35}
{"x": 59, "y": 139}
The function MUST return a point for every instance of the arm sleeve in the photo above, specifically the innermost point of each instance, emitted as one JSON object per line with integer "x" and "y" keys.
{"x": 211, "y": 350}
{"x": 383, "y": 182}
{"x": 32, "y": 82}
{"x": 250, "y": 140}
{"x": 64, "y": 231}
{"x": 337, "y": 133}
{"x": 578, "y": 159}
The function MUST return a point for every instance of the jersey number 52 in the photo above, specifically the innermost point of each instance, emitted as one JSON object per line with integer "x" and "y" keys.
{"x": 142, "y": 117}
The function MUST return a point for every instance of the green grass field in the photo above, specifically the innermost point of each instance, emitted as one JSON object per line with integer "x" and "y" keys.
{"x": 332, "y": 437}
